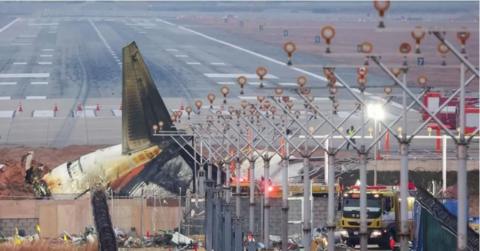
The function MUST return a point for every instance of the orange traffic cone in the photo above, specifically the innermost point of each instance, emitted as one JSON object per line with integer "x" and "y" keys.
{"x": 20, "y": 107}
{"x": 98, "y": 108}
{"x": 79, "y": 107}
{"x": 55, "y": 108}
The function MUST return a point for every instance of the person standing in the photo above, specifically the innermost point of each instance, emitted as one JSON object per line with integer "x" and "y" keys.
{"x": 351, "y": 133}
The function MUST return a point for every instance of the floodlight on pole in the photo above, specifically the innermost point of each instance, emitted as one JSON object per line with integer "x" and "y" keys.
{"x": 261, "y": 73}
{"x": 211, "y": 98}
{"x": 198, "y": 105}
{"x": 462, "y": 37}
{"x": 328, "y": 33}
{"x": 381, "y": 7}
{"x": 443, "y": 50}
{"x": 289, "y": 48}
{"x": 224, "y": 90}
{"x": 366, "y": 48}
{"x": 241, "y": 80}
{"x": 375, "y": 111}
{"x": 418, "y": 34}
{"x": 188, "y": 109}
{"x": 405, "y": 49}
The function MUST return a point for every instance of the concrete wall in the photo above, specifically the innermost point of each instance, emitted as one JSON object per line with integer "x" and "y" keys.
{"x": 56, "y": 216}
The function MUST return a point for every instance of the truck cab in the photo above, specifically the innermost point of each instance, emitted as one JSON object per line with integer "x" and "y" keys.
{"x": 383, "y": 209}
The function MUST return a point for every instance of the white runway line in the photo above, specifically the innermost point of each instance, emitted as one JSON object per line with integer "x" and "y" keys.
{"x": 193, "y": 63}
{"x": 5, "y": 98}
{"x": 47, "y": 49}
{"x": 226, "y": 83}
{"x": 288, "y": 84}
{"x": 19, "y": 63}
{"x": 115, "y": 57}
{"x": 236, "y": 75}
{"x": 35, "y": 97}
{"x": 44, "y": 62}
{"x": 217, "y": 63}
{"x": 163, "y": 21}
{"x": 24, "y": 75}
{"x": 46, "y": 55}
{"x": 39, "y": 83}
{"x": 43, "y": 24}
{"x": 4, "y": 28}
{"x": 26, "y": 36}
{"x": 171, "y": 50}
{"x": 181, "y": 56}
{"x": 248, "y": 97}
{"x": 8, "y": 83}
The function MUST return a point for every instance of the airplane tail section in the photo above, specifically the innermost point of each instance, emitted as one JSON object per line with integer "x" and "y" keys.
{"x": 141, "y": 103}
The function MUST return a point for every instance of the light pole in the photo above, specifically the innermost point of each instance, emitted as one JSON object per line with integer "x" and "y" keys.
{"x": 376, "y": 112}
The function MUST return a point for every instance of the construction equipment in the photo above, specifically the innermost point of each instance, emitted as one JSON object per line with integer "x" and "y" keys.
{"x": 383, "y": 207}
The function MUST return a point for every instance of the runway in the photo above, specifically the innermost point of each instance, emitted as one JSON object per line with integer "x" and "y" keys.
{"x": 66, "y": 62}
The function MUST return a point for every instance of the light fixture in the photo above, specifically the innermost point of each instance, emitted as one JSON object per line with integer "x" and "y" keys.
{"x": 211, "y": 98}
{"x": 381, "y": 7}
{"x": 328, "y": 33}
{"x": 289, "y": 48}
{"x": 418, "y": 34}
{"x": 261, "y": 73}
{"x": 242, "y": 81}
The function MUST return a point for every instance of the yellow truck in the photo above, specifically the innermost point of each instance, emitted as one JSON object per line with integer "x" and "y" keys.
{"x": 383, "y": 211}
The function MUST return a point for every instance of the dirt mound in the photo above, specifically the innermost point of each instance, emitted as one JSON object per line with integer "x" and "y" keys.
{"x": 12, "y": 175}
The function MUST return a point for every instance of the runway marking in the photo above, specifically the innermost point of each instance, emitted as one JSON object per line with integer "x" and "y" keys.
{"x": 217, "y": 63}
{"x": 142, "y": 32}
{"x": 35, "y": 97}
{"x": 257, "y": 83}
{"x": 163, "y": 21}
{"x": 193, "y": 63}
{"x": 24, "y": 75}
{"x": 288, "y": 84}
{"x": 114, "y": 55}
{"x": 171, "y": 50}
{"x": 26, "y": 36}
{"x": 7, "y": 114}
{"x": 8, "y": 83}
{"x": 5, "y": 98}
{"x": 46, "y": 55}
{"x": 39, "y": 83}
{"x": 44, "y": 62}
{"x": 47, "y": 49}
{"x": 236, "y": 75}
{"x": 4, "y": 28}
{"x": 181, "y": 56}
{"x": 21, "y": 44}
{"x": 43, "y": 24}
{"x": 226, "y": 83}
{"x": 19, "y": 63}
{"x": 248, "y": 97}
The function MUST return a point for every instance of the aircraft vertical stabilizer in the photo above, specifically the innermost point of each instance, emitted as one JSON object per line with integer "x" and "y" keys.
{"x": 142, "y": 105}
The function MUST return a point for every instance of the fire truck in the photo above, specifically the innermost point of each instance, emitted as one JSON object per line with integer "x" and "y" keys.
{"x": 383, "y": 212}
{"x": 449, "y": 114}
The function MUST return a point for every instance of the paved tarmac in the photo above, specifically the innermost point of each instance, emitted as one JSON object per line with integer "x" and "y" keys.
{"x": 69, "y": 58}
